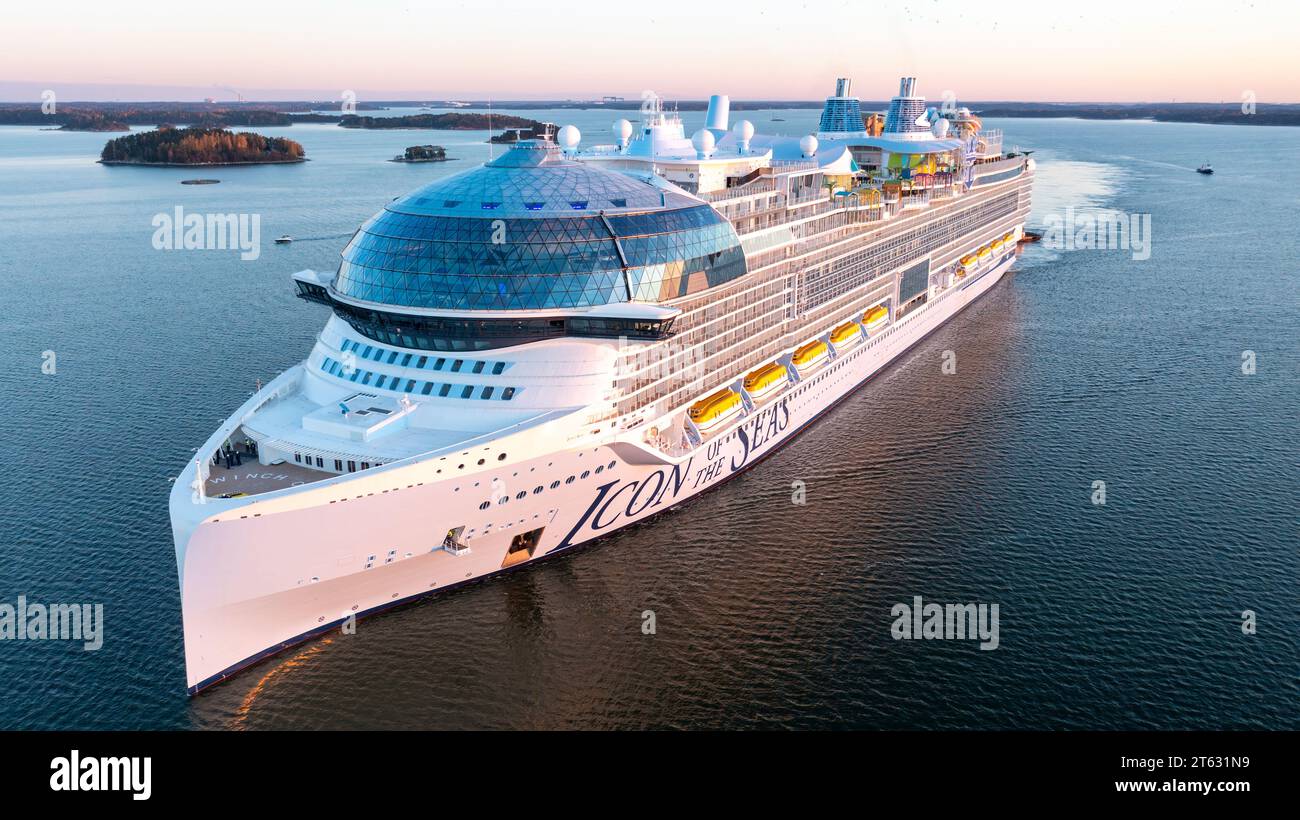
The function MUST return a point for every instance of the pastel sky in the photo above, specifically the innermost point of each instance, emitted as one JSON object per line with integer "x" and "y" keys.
{"x": 1095, "y": 50}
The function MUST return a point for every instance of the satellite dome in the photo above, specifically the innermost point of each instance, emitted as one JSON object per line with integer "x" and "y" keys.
{"x": 622, "y": 130}
{"x": 744, "y": 130}
{"x": 569, "y": 137}
{"x": 808, "y": 145}
{"x": 703, "y": 142}
{"x": 963, "y": 111}
{"x": 940, "y": 128}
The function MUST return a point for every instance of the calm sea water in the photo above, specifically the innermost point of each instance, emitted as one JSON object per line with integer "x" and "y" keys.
{"x": 974, "y": 487}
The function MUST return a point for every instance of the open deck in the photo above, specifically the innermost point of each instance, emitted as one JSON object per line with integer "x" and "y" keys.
{"x": 254, "y": 479}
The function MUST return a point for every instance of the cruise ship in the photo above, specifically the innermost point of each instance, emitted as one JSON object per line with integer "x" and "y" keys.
{"x": 571, "y": 338}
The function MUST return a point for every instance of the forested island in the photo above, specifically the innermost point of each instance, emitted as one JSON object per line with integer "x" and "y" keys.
{"x": 422, "y": 153}
{"x": 199, "y": 146}
{"x": 92, "y": 122}
{"x": 439, "y": 122}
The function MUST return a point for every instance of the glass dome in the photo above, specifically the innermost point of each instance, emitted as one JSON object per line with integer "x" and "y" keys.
{"x": 532, "y": 231}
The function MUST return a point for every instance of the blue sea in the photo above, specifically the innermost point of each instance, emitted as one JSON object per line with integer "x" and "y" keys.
{"x": 1083, "y": 366}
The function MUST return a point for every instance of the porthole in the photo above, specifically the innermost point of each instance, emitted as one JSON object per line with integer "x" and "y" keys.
{"x": 600, "y": 469}
{"x": 521, "y": 495}
{"x": 554, "y": 484}
{"x": 585, "y": 473}
{"x": 485, "y": 505}
{"x": 568, "y": 480}
{"x": 501, "y": 457}
{"x": 611, "y": 465}
{"x": 537, "y": 489}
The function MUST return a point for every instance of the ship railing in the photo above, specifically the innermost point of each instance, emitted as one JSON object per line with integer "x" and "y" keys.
{"x": 765, "y": 187}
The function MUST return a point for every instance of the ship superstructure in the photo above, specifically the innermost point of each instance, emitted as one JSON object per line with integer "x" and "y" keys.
{"x": 536, "y": 352}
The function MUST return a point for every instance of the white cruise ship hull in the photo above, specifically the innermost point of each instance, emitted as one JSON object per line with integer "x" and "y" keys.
{"x": 257, "y": 578}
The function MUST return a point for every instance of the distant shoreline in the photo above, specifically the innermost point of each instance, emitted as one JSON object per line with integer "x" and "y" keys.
{"x": 472, "y": 115}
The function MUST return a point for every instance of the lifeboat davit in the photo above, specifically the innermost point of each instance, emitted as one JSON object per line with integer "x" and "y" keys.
{"x": 766, "y": 380}
{"x": 846, "y": 335}
{"x": 810, "y": 355}
{"x": 713, "y": 410}
{"x": 875, "y": 317}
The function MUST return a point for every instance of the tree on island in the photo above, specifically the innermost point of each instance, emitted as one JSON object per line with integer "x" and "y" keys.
{"x": 423, "y": 153}
{"x": 199, "y": 146}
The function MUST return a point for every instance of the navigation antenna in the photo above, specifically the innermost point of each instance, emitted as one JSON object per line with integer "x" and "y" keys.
{"x": 491, "y": 155}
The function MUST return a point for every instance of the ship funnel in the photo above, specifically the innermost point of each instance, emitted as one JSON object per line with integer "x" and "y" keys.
{"x": 907, "y": 87}
{"x": 842, "y": 86}
{"x": 719, "y": 114}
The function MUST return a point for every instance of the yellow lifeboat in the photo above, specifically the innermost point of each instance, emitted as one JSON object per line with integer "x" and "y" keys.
{"x": 985, "y": 253}
{"x": 875, "y": 317}
{"x": 767, "y": 379}
{"x": 711, "y": 411}
{"x": 810, "y": 355}
{"x": 846, "y": 335}
{"x": 1009, "y": 237}
{"x": 997, "y": 245}
{"x": 970, "y": 259}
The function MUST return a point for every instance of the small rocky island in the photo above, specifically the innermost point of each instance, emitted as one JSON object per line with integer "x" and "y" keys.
{"x": 169, "y": 146}
{"x": 422, "y": 153}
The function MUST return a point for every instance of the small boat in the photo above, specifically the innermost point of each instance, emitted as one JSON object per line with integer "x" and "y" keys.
{"x": 985, "y": 253}
{"x": 1009, "y": 237}
{"x": 766, "y": 380}
{"x": 1031, "y": 236}
{"x": 810, "y": 355}
{"x": 1205, "y": 169}
{"x": 777, "y": 119}
{"x": 875, "y": 317}
{"x": 713, "y": 410}
{"x": 846, "y": 335}
{"x": 970, "y": 259}
{"x": 996, "y": 245}
{"x": 283, "y": 240}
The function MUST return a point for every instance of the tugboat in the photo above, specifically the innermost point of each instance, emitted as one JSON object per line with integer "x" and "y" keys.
{"x": 283, "y": 240}
{"x": 1205, "y": 169}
